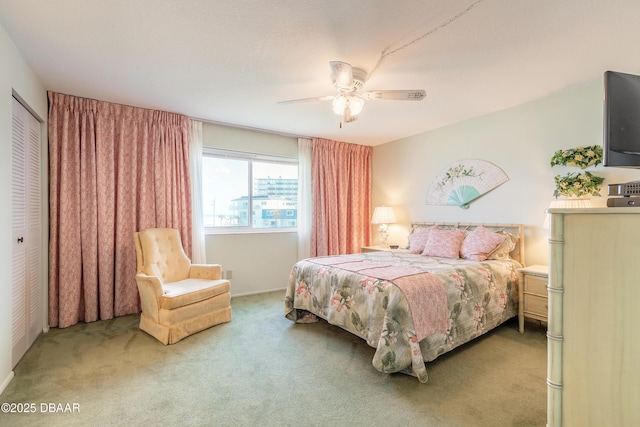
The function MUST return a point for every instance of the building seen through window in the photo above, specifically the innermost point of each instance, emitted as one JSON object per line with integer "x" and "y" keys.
{"x": 249, "y": 192}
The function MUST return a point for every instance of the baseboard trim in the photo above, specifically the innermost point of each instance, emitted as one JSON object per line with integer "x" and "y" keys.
{"x": 256, "y": 292}
{"x": 6, "y": 381}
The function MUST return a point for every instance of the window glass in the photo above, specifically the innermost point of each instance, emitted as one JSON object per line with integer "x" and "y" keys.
{"x": 245, "y": 192}
{"x": 275, "y": 192}
{"x": 225, "y": 187}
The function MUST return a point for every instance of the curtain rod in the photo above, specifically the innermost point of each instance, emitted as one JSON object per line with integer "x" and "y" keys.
{"x": 227, "y": 152}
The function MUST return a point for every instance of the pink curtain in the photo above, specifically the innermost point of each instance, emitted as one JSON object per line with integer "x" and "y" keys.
{"x": 114, "y": 169}
{"x": 341, "y": 187}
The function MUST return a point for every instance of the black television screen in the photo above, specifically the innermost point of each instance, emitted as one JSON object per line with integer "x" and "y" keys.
{"x": 621, "y": 144}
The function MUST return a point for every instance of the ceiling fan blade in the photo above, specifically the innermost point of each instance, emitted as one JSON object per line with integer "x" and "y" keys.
{"x": 318, "y": 98}
{"x": 341, "y": 75}
{"x": 396, "y": 95}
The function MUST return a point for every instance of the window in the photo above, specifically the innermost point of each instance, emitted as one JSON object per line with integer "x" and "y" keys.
{"x": 242, "y": 192}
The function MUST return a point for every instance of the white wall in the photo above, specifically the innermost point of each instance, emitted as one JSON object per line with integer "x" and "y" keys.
{"x": 259, "y": 262}
{"x": 520, "y": 140}
{"x": 15, "y": 77}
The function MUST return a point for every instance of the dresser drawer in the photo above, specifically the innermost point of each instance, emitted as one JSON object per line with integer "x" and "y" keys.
{"x": 534, "y": 304}
{"x": 535, "y": 285}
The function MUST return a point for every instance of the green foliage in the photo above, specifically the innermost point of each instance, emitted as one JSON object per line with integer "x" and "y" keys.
{"x": 578, "y": 184}
{"x": 581, "y": 157}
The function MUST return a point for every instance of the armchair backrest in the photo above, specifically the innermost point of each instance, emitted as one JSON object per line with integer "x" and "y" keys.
{"x": 160, "y": 254}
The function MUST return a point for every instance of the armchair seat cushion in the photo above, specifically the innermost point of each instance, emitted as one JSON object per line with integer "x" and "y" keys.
{"x": 189, "y": 291}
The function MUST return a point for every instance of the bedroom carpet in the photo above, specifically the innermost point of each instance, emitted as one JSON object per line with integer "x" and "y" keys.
{"x": 263, "y": 370}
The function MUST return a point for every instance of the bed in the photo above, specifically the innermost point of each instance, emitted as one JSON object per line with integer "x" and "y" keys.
{"x": 453, "y": 283}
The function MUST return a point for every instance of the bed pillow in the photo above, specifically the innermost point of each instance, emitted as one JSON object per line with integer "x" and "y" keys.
{"x": 504, "y": 249}
{"x": 444, "y": 243}
{"x": 418, "y": 240}
{"x": 480, "y": 243}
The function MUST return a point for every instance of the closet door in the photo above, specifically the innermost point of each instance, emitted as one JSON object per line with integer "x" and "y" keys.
{"x": 27, "y": 288}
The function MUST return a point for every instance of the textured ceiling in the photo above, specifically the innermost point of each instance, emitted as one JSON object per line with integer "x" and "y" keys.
{"x": 232, "y": 61}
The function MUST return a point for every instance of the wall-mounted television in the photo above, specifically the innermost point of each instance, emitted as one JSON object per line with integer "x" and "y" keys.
{"x": 621, "y": 145}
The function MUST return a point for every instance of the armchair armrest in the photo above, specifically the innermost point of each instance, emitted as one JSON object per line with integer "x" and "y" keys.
{"x": 150, "y": 289}
{"x": 205, "y": 271}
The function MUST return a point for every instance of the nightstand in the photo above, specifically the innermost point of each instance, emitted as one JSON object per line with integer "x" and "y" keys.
{"x": 533, "y": 301}
{"x": 381, "y": 248}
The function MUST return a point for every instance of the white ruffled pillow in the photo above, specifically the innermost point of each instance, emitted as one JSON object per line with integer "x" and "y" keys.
{"x": 504, "y": 249}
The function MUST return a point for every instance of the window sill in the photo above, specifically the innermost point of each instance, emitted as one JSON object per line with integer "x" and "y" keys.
{"x": 243, "y": 230}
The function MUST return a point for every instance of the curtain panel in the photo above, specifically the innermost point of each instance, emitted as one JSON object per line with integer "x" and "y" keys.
{"x": 305, "y": 198}
{"x": 198, "y": 249}
{"x": 341, "y": 191}
{"x": 113, "y": 170}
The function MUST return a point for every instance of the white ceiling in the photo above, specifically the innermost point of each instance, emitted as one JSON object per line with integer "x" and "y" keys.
{"x": 231, "y": 61}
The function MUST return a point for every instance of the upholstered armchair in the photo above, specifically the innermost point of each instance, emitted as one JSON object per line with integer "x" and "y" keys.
{"x": 178, "y": 298}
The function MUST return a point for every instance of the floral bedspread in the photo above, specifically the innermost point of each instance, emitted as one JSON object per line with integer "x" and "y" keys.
{"x": 410, "y": 308}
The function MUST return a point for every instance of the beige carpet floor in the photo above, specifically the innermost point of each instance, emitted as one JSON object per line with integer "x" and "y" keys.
{"x": 261, "y": 369}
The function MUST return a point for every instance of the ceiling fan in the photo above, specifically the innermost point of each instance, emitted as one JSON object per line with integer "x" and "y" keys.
{"x": 348, "y": 80}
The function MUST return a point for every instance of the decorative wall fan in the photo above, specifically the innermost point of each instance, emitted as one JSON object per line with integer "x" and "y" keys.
{"x": 348, "y": 80}
{"x": 463, "y": 181}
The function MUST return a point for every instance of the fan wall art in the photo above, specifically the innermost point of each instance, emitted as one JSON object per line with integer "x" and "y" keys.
{"x": 464, "y": 181}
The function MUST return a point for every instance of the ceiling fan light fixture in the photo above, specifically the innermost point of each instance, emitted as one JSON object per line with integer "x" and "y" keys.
{"x": 347, "y": 105}
{"x": 341, "y": 75}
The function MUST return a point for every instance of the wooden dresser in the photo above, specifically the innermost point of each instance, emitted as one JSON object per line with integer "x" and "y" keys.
{"x": 593, "y": 367}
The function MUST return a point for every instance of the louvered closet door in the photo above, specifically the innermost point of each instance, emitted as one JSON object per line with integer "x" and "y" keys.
{"x": 27, "y": 231}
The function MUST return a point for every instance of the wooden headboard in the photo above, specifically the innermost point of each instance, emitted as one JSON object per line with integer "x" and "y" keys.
{"x": 516, "y": 229}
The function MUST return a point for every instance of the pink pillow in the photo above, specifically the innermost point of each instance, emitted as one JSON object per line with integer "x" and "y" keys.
{"x": 480, "y": 243}
{"x": 418, "y": 240}
{"x": 444, "y": 243}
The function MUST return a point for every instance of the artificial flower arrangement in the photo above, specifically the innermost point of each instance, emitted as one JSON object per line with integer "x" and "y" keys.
{"x": 578, "y": 184}
{"x": 581, "y": 157}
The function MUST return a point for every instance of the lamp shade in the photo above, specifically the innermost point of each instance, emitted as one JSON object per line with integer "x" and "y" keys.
{"x": 564, "y": 203}
{"x": 383, "y": 215}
